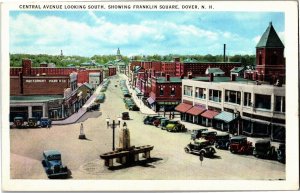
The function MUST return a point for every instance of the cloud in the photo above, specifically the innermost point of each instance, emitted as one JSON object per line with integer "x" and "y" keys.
{"x": 50, "y": 34}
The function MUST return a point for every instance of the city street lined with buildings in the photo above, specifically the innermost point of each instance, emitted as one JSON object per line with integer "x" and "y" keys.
{"x": 168, "y": 159}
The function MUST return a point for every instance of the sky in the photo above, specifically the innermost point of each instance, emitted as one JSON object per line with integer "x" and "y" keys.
{"x": 88, "y": 33}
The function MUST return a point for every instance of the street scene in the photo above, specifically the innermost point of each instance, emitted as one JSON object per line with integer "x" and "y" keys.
{"x": 168, "y": 158}
{"x": 152, "y": 96}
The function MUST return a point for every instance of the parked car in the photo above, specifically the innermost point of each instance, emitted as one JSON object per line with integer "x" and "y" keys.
{"x": 240, "y": 145}
{"x": 134, "y": 107}
{"x": 196, "y": 133}
{"x": 209, "y": 135}
{"x": 93, "y": 107}
{"x": 281, "y": 153}
{"x": 263, "y": 149}
{"x": 19, "y": 122}
{"x": 164, "y": 123}
{"x": 148, "y": 120}
{"x": 175, "y": 126}
{"x": 156, "y": 121}
{"x": 45, "y": 122}
{"x": 33, "y": 122}
{"x": 125, "y": 116}
{"x": 200, "y": 146}
{"x": 53, "y": 166}
{"x": 222, "y": 140}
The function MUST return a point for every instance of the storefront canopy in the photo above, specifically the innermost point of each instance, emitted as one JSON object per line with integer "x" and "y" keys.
{"x": 183, "y": 107}
{"x": 225, "y": 116}
{"x": 150, "y": 100}
{"x": 209, "y": 114}
{"x": 195, "y": 111}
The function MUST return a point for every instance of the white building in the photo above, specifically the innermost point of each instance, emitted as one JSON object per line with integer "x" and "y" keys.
{"x": 239, "y": 106}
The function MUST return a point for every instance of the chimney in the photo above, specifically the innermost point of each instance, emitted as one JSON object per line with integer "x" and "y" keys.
{"x": 224, "y": 54}
{"x": 168, "y": 77}
{"x": 211, "y": 77}
{"x": 26, "y": 67}
{"x": 233, "y": 77}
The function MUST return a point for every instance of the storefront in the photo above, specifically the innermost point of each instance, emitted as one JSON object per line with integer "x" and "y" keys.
{"x": 224, "y": 121}
{"x": 207, "y": 117}
{"x": 183, "y": 108}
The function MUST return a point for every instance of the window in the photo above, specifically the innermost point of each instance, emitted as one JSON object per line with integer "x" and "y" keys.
{"x": 280, "y": 103}
{"x": 173, "y": 91}
{"x": 161, "y": 91}
{"x": 233, "y": 96}
{"x": 188, "y": 90}
{"x": 247, "y": 99}
{"x": 262, "y": 101}
{"x": 200, "y": 93}
{"x": 215, "y": 95}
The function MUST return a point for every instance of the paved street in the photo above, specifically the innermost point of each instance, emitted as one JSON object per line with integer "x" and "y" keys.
{"x": 169, "y": 161}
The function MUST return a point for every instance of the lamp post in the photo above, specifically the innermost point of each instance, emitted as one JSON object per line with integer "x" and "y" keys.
{"x": 113, "y": 126}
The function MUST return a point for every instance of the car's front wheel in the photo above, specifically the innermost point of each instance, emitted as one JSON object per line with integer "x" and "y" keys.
{"x": 186, "y": 150}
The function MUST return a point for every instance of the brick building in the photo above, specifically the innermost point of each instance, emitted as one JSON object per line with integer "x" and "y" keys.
{"x": 46, "y": 91}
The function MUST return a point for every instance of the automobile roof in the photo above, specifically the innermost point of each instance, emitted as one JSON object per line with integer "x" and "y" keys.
{"x": 18, "y": 118}
{"x": 220, "y": 133}
{"x": 263, "y": 141}
{"x": 208, "y": 131}
{"x": 51, "y": 152}
{"x": 201, "y": 140}
{"x": 239, "y": 137}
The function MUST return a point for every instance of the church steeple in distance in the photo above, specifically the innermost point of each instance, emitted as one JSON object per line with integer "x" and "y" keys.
{"x": 118, "y": 56}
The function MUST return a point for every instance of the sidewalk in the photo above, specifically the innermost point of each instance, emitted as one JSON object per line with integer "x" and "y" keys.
{"x": 74, "y": 117}
{"x": 143, "y": 108}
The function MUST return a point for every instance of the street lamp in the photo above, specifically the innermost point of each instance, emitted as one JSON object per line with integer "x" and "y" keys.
{"x": 113, "y": 126}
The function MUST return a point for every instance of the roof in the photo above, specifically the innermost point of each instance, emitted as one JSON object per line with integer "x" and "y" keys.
{"x": 225, "y": 116}
{"x": 195, "y": 111}
{"x": 237, "y": 69}
{"x": 215, "y": 71}
{"x": 150, "y": 100}
{"x": 51, "y": 152}
{"x": 209, "y": 114}
{"x": 183, "y": 107}
{"x": 239, "y": 137}
{"x": 172, "y": 79}
{"x": 270, "y": 39}
{"x": 35, "y": 98}
{"x": 223, "y": 79}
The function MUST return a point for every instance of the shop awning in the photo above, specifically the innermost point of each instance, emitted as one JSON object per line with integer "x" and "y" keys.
{"x": 195, "y": 111}
{"x": 150, "y": 100}
{"x": 183, "y": 107}
{"x": 209, "y": 114}
{"x": 225, "y": 116}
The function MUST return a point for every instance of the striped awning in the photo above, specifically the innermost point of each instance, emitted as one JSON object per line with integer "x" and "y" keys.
{"x": 195, "y": 111}
{"x": 183, "y": 107}
{"x": 209, "y": 114}
{"x": 225, "y": 116}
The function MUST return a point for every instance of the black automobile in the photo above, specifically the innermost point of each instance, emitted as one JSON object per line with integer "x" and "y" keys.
{"x": 281, "y": 153}
{"x": 33, "y": 122}
{"x": 263, "y": 149}
{"x": 200, "y": 147}
{"x": 125, "y": 116}
{"x": 148, "y": 120}
{"x": 222, "y": 140}
{"x": 196, "y": 133}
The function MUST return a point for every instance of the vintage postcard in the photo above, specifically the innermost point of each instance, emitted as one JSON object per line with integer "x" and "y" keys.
{"x": 149, "y": 95}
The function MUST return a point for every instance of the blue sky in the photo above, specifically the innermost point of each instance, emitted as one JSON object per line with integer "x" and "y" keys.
{"x": 88, "y": 33}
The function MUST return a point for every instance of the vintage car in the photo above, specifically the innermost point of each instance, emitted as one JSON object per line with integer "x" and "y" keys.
{"x": 281, "y": 153}
{"x": 196, "y": 133}
{"x": 100, "y": 98}
{"x": 156, "y": 121}
{"x": 164, "y": 123}
{"x": 209, "y": 135}
{"x": 263, "y": 149}
{"x": 222, "y": 140}
{"x": 19, "y": 122}
{"x": 239, "y": 144}
{"x": 125, "y": 116}
{"x": 148, "y": 120}
{"x": 200, "y": 146}
{"x": 33, "y": 122}
{"x": 53, "y": 165}
{"x": 175, "y": 126}
{"x": 133, "y": 107}
{"x": 45, "y": 122}
{"x": 93, "y": 107}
